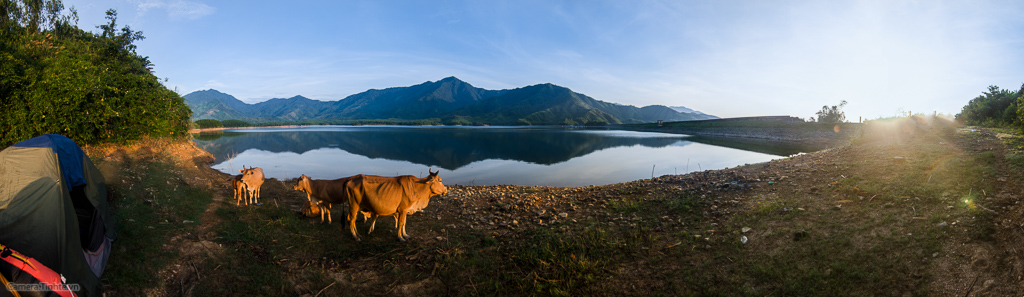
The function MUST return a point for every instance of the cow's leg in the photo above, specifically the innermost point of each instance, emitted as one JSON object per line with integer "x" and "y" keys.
{"x": 401, "y": 224}
{"x": 327, "y": 209}
{"x": 353, "y": 211}
{"x": 373, "y": 224}
{"x": 257, "y": 199}
{"x": 404, "y": 234}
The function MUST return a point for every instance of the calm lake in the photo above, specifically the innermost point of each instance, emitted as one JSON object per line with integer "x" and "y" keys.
{"x": 546, "y": 156}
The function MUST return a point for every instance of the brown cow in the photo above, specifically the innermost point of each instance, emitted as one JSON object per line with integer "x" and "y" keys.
{"x": 253, "y": 179}
{"x": 239, "y": 187}
{"x": 384, "y": 196}
{"x": 322, "y": 193}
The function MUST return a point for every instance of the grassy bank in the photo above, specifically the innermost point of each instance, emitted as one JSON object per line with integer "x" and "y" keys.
{"x": 924, "y": 211}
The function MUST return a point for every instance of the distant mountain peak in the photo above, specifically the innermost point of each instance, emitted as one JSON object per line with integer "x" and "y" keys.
{"x": 450, "y": 97}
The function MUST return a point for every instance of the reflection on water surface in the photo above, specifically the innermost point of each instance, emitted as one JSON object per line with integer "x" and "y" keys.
{"x": 548, "y": 156}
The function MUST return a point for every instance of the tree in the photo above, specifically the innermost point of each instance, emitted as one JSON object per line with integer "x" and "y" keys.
{"x": 126, "y": 39}
{"x": 208, "y": 123}
{"x": 997, "y": 107}
{"x": 832, "y": 114}
{"x": 52, "y": 71}
{"x": 232, "y": 123}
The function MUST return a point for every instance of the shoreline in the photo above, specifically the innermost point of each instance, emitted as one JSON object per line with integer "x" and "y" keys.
{"x": 204, "y": 130}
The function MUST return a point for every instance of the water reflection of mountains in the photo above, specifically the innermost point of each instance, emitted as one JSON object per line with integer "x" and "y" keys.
{"x": 446, "y": 148}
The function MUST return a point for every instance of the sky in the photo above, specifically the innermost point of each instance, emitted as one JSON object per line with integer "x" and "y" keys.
{"x": 725, "y": 58}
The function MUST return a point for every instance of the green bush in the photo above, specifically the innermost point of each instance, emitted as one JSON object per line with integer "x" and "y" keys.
{"x": 996, "y": 108}
{"x": 56, "y": 78}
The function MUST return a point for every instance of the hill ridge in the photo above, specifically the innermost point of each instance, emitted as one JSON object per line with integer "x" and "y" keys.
{"x": 449, "y": 98}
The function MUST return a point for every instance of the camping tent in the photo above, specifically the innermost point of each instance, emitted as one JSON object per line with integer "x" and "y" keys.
{"x": 53, "y": 208}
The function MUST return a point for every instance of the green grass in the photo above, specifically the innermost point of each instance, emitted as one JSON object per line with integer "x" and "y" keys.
{"x": 153, "y": 207}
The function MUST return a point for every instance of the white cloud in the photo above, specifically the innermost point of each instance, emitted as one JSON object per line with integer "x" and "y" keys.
{"x": 177, "y": 10}
{"x": 189, "y": 10}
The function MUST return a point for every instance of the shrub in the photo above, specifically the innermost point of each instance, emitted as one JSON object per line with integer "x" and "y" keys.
{"x": 56, "y": 78}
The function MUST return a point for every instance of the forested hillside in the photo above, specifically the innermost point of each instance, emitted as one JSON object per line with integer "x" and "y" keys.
{"x": 91, "y": 87}
{"x": 449, "y": 101}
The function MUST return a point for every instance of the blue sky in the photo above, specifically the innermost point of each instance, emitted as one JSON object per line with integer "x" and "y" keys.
{"x": 726, "y": 58}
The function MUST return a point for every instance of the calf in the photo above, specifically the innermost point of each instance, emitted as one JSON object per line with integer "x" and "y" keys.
{"x": 239, "y": 188}
{"x": 252, "y": 177}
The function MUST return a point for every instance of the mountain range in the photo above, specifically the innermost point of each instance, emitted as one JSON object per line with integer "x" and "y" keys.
{"x": 449, "y": 100}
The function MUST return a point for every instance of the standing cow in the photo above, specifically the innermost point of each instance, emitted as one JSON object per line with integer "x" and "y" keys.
{"x": 385, "y": 196}
{"x": 322, "y": 193}
{"x": 253, "y": 179}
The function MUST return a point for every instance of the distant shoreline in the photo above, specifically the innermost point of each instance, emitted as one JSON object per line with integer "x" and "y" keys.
{"x": 225, "y": 128}
{"x": 295, "y": 126}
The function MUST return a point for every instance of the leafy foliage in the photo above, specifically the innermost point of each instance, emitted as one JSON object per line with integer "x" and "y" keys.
{"x": 235, "y": 123}
{"x": 832, "y": 114}
{"x": 57, "y": 78}
{"x": 995, "y": 108}
{"x": 209, "y": 123}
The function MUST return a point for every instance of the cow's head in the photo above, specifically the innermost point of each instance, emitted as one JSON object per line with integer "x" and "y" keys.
{"x": 302, "y": 184}
{"x": 434, "y": 181}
